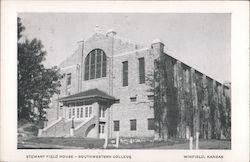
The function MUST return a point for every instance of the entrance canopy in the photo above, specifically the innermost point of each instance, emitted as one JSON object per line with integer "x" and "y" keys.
{"x": 92, "y": 94}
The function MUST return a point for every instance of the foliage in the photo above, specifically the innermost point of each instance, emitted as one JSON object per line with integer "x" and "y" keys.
{"x": 36, "y": 84}
{"x": 161, "y": 85}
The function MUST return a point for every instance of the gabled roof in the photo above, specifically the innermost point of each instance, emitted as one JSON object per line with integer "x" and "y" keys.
{"x": 87, "y": 95}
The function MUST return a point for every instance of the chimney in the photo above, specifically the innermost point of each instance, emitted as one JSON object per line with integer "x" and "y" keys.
{"x": 157, "y": 47}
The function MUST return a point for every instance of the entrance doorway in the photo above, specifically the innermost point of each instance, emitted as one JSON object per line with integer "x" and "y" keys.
{"x": 102, "y": 130}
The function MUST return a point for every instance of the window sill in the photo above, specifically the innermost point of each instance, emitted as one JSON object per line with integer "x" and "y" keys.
{"x": 96, "y": 79}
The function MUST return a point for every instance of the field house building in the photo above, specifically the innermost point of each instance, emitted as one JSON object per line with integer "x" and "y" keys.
{"x": 109, "y": 85}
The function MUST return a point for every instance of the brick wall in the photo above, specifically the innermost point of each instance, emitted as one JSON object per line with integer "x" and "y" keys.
{"x": 184, "y": 84}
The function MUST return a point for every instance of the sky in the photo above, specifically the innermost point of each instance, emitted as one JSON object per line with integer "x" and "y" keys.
{"x": 202, "y": 41}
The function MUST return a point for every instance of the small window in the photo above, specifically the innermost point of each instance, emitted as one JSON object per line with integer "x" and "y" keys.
{"x": 133, "y": 99}
{"x": 151, "y": 124}
{"x": 73, "y": 112}
{"x": 141, "y": 70}
{"x": 77, "y": 113}
{"x": 125, "y": 73}
{"x": 69, "y": 79}
{"x": 151, "y": 97}
{"x": 133, "y": 124}
{"x": 117, "y": 125}
{"x": 81, "y": 114}
{"x": 69, "y": 113}
{"x": 86, "y": 112}
{"x": 90, "y": 111}
{"x": 101, "y": 128}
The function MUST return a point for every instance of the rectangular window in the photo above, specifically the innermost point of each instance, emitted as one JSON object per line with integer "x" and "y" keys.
{"x": 141, "y": 70}
{"x": 151, "y": 97}
{"x": 125, "y": 73}
{"x": 101, "y": 128}
{"x": 73, "y": 112}
{"x": 132, "y": 99}
{"x": 77, "y": 113}
{"x": 151, "y": 124}
{"x": 117, "y": 125}
{"x": 69, "y": 113}
{"x": 81, "y": 114}
{"x": 69, "y": 79}
{"x": 90, "y": 111}
{"x": 133, "y": 124}
{"x": 86, "y": 112}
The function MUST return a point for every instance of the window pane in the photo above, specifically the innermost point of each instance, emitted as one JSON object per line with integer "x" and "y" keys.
{"x": 86, "y": 112}
{"x": 125, "y": 73}
{"x": 151, "y": 124}
{"x": 102, "y": 128}
{"x": 95, "y": 65}
{"x": 141, "y": 70}
{"x": 69, "y": 113}
{"x": 69, "y": 79}
{"x": 133, "y": 124}
{"x": 81, "y": 114}
{"x": 87, "y": 68}
{"x": 104, "y": 64}
{"x": 116, "y": 125}
{"x": 98, "y": 64}
{"x": 77, "y": 113}
{"x": 73, "y": 112}
{"x": 132, "y": 99}
{"x": 90, "y": 111}
{"x": 92, "y": 65}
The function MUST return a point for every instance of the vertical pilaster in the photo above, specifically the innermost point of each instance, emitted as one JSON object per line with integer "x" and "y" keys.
{"x": 195, "y": 103}
{"x": 96, "y": 109}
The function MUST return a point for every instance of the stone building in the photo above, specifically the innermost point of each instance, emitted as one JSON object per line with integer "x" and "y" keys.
{"x": 111, "y": 84}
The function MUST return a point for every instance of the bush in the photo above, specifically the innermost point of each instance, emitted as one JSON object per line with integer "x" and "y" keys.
{"x": 32, "y": 129}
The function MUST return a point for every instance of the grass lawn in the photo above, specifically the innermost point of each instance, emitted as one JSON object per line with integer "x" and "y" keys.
{"x": 60, "y": 142}
{"x": 92, "y": 143}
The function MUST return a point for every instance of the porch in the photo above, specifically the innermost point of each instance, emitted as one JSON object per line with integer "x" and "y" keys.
{"x": 85, "y": 114}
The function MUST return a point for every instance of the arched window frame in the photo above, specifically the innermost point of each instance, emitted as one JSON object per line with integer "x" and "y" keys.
{"x": 95, "y": 64}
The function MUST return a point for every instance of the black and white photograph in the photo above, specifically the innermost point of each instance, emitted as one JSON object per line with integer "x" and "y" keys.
{"x": 124, "y": 81}
{"x": 147, "y": 81}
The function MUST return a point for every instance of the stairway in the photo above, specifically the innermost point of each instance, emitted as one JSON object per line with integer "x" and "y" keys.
{"x": 83, "y": 129}
{"x": 60, "y": 128}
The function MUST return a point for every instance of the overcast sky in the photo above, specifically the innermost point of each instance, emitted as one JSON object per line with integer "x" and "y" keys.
{"x": 200, "y": 40}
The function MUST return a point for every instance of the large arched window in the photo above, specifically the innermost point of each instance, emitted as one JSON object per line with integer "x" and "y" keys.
{"x": 95, "y": 64}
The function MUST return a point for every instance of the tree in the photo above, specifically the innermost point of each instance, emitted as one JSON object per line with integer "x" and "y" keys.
{"x": 36, "y": 84}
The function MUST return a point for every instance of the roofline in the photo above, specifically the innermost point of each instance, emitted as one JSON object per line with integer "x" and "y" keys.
{"x": 84, "y": 97}
{"x": 190, "y": 67}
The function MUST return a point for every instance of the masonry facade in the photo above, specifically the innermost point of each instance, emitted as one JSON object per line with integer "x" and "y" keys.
{"x": 111, "y": 84}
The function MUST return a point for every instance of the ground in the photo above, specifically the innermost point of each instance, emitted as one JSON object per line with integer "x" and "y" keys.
{"x": 91, "y": 143}
{"x": 27, "y": 139}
